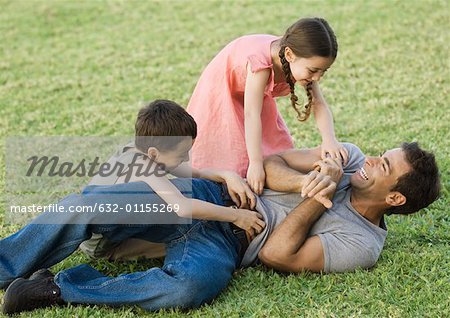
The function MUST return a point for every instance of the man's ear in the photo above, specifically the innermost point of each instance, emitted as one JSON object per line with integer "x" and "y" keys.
{"x": 153, "y": 153}
{"x": 288, "y": 54}
{"x": 395, "y": 199}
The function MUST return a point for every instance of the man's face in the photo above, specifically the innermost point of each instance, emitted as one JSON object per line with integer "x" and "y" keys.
{"x": 380, "y": 174}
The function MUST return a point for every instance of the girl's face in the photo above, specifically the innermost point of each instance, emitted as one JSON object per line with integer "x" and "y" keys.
{"x": 305, "y": 70}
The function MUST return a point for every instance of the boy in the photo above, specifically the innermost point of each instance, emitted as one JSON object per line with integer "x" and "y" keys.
{"x": 157, "y": 128}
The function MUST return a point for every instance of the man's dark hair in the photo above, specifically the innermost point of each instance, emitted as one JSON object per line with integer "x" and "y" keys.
{"x": 163, "y": 118}
{"x": 421, "y": 186}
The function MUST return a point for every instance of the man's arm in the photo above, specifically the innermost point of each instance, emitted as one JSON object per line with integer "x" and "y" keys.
{"x": 285, "y": 171}
{"x": 292, "y": 171}
{"x": 288, "y": 248}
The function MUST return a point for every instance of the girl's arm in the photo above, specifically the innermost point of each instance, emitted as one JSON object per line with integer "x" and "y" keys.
{"x": 192, "y": 208}
{"x": 253, "y": 103}
{"x": 324, "y": 121}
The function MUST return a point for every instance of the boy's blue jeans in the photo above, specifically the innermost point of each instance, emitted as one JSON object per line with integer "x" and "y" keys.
{"x": 200, "y": 261}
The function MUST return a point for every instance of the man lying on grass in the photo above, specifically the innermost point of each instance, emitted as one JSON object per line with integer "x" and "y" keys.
{"x": 202, "y": 256}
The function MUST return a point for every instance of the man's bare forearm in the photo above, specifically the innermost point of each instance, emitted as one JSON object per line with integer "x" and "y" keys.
{"x": 281, "y": 177}
{"x": 289, "y": 248}
{"x": 289, "y": 236}
{"x": 286, "y": 171}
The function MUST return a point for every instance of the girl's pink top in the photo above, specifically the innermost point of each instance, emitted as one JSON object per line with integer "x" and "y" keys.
{"x": 217, "y": 105}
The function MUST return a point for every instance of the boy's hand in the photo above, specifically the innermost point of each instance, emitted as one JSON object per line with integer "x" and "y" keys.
{"x": 250, "y": 221}
{"x": 239, "y": 191}
{"x": 256, "y": 177}
{"x": 335, "y": 150}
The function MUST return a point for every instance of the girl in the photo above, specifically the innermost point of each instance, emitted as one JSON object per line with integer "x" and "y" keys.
{"x": 233, "y": 102}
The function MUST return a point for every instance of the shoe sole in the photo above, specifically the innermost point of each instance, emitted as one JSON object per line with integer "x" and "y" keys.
{"x": 9, "y": 306}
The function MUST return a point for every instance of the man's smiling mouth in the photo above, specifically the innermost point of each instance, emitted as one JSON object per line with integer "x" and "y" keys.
{"x": 363, "y": 174}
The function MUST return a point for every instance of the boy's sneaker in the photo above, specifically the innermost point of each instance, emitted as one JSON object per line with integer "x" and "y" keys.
{"x": 29, "y": 294}
{"x": 42, "y": 273}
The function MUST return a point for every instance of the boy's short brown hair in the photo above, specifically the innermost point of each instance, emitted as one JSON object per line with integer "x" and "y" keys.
{"x": 163, "y": 118}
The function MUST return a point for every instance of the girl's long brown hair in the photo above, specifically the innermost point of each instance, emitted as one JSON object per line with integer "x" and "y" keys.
{"x": 306, "y": 38}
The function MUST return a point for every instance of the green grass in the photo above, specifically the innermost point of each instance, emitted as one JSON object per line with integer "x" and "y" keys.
{"x": 85, "y": 68}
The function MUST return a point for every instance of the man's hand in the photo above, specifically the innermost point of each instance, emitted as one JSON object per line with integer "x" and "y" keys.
{"x": 330, "y": 167}
{"x": 321, "y": 183}
{"x": 319, "y": 186}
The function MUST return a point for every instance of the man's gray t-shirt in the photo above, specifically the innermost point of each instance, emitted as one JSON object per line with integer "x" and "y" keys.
{"x": 349, "y": 240}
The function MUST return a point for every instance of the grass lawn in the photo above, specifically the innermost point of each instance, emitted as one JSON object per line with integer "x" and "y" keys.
{"x": 84, "y": 68}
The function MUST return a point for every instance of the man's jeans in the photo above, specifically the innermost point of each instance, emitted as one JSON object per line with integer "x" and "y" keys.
{"x": 200, "y": 261}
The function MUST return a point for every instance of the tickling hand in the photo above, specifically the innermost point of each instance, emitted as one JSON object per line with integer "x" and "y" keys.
{"x": 256, "y": 177}
{"x": 239, "y": 191}
{"x": 335, "y": 150}
{"x": 250, "y": 221}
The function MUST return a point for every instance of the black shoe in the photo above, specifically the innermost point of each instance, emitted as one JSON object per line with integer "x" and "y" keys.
{"x": 25, "y": 294}
{"x": 42, "y": 273}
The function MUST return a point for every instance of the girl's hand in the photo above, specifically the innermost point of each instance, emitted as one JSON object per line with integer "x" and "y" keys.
{"x": 335, "y": 150}
{"x": 239, "y": 191}
{"x": 256, "y": 177}
{"x": 250, "y": 221}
